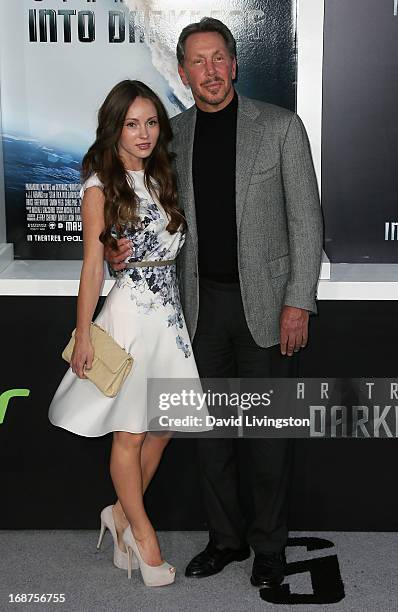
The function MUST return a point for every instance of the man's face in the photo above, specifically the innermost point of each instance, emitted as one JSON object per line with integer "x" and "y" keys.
{"x": 208, "y": 70}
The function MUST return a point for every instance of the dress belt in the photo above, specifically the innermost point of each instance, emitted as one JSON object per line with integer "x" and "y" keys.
{"x": 150, "y": 264}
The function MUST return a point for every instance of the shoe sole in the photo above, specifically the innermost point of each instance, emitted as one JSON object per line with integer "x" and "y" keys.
{"x": 264, "y": 583}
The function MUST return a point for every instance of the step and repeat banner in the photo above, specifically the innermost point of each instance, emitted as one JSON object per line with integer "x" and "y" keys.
{"x": 360, "y": 131}
{"x": 59, "y": 59}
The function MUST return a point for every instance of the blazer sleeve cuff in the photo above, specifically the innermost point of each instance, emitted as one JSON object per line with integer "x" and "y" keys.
{"x": 300, "y": 302}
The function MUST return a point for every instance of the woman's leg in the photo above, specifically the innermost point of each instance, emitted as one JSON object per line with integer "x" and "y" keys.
{"x": 151, "y": 454}
{"x": 129, "y": 477}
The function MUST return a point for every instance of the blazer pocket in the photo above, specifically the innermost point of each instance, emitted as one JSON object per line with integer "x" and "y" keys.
{"x": 264, "y": 175}
{"x": 279, "y": 266}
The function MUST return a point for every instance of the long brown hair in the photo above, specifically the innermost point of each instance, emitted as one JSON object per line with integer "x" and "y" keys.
{"x": 103, "y": 158}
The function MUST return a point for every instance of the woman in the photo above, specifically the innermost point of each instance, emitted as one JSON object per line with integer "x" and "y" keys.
{"x": 129, "y": 190}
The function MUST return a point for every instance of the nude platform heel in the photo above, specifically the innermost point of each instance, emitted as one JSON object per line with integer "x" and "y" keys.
{"x": 120, "y": 558}
{"x": 152, "y": 575}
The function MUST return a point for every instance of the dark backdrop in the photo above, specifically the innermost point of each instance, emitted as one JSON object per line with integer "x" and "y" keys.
{"x": 360, "y": 131}
{"x": 51, "y": 478}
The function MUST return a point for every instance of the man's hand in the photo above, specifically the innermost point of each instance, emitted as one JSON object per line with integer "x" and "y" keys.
{"x": 293, "y": 329}
{"x": 116, "y": 257}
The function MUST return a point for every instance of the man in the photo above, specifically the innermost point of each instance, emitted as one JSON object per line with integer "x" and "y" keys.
{"x": 248, "y": 274}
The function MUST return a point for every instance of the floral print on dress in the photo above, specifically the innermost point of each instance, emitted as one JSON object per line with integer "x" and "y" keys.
{"x": 154, "y": 287}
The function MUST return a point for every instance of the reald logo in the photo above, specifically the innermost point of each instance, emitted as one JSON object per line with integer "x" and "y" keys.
{"x": 5, "y": 398}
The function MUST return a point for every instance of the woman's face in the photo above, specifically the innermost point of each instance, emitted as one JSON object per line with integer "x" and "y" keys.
{"x": 140, "y": 133}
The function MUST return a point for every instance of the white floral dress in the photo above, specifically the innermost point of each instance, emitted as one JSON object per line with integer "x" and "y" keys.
{"x": 142, "y": 312}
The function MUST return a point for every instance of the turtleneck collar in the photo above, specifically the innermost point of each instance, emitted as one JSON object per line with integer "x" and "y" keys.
{"x": 228, "y": 111}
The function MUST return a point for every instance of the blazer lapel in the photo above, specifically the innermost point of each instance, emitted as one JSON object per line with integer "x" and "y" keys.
{"x": 184, "y": 135}
{"x": 248, "y": 140}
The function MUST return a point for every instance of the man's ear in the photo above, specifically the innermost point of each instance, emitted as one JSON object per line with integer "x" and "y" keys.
{"x": 182, "y": 74}
{"x": 234, "y": 68}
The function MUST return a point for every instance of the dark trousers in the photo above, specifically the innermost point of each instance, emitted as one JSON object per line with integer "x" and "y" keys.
{"x": 233, "y": 469}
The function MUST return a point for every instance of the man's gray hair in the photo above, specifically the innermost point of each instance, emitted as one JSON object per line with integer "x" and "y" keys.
{"x": 207, "y": 24}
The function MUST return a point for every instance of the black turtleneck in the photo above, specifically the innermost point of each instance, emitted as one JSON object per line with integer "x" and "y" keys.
{"x": 213, "y": 172}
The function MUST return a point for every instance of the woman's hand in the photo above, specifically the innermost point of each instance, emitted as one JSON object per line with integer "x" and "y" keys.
{"x": 82, "y": 356}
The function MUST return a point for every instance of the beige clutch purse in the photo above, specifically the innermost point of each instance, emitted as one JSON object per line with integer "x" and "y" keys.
{"x": 111, "y": 363}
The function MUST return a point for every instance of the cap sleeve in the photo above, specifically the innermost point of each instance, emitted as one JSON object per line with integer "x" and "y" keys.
{"x": 92, "y": 181}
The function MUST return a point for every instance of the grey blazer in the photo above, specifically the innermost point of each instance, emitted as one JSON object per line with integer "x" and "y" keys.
{"x": 278, "y": 216}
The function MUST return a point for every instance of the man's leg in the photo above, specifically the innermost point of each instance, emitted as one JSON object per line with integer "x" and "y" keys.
{"x": 268, "y": 461}
{"x": 214, "y": 356}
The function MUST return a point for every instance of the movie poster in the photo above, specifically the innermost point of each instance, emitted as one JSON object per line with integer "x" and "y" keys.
{"x": 59, "y": 59}
{"x": 360, "y": 131}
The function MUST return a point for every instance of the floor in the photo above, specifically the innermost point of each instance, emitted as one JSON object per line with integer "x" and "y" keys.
{"x": 326, "y": 571}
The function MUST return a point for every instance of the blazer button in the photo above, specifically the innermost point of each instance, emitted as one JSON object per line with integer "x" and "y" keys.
{"x": 195, "y": 274}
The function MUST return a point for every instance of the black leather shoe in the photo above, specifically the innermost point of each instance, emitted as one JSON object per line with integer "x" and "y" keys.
{"x": 268, "y": 569}
{"x": 212, "y": 560}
